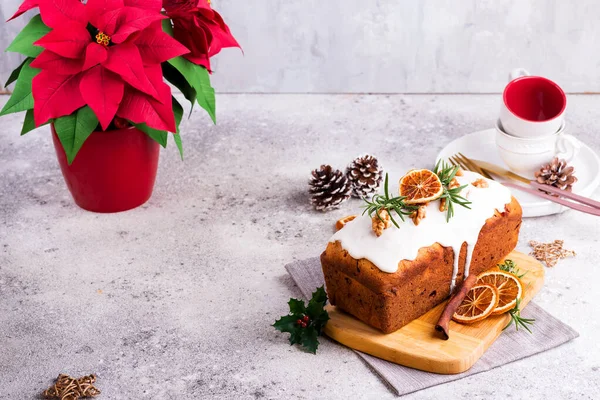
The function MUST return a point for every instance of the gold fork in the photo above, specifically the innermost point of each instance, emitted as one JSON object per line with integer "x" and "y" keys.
{"x": 462, "y": 161}
{"x": 559, "y": 196}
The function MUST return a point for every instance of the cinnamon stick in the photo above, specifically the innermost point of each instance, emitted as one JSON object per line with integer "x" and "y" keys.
{"x": 455, "y": 301}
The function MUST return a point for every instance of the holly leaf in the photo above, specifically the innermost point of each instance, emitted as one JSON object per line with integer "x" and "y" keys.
{"x": 319, "y": 296}
{"x": 24, "y": 42}
{"x": 316, "y": 309}
{"x": 313, "y": 319}
{"x": 198, "y": 77}
{"x": 73, "y": 130}
{"x": 296, "y": 306}
{"x": 22, "y": 97}
{"x": 296, "y": 336}
{"x": 287, "y": 323}
{"x": 15, "y": 74}
{"x": 310, "y": 339}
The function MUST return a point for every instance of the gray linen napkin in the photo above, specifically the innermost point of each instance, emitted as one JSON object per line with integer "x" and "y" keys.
{"x": 549, "y": 333}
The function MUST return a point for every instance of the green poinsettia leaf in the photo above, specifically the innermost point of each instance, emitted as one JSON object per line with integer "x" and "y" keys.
{"x": 32, "y": 32}
{"x": 178, "y": 111}
{"x": 167, "y": 26}
{"x": 310, "y": 339}
{"x": 179, "y": 144}
{"x": 21, "y": 98}
{"x": 28, "y": 123}
{"x": 162, "y": 137}
{"x": 73, "y": 130}
{"x": 199, "y": 79}
{"x": 175, "y": 77}
{"x": 15, "y": 74}
{"x": 159, "y": 136}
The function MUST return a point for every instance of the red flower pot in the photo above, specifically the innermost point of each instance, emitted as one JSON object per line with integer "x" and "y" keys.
{"x": 114, "y": 171}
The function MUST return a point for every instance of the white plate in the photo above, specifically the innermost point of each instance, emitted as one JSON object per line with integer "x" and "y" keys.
{"x": 481, "y": 145}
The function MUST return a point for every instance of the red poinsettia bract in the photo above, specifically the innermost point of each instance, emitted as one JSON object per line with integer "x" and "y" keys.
{"x": 200, "y": 28}
{"x": 106, "y": 54}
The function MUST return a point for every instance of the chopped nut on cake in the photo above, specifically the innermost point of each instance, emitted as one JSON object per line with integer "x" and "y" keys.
{"x": 453, "y": 184}
{"x": 418, "y": 215}
{"x": 459, "y": 172}
{"x": 480, "y": 183}
{"x": 381, "y": 221}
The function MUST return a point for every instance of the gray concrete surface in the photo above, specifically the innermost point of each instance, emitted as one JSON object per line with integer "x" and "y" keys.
{"x": 174, "y": 300}
{"x": 396, "y": 46}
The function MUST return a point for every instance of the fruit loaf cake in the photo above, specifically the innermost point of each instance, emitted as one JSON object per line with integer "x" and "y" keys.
{"x": 389, "y": 280}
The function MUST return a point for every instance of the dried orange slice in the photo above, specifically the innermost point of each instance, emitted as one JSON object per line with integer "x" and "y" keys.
{"x": 343, "y": 221}
{"x": 510, "y": 288}
{"x": 478, "y": 304}
{"x": 420, "y": 186}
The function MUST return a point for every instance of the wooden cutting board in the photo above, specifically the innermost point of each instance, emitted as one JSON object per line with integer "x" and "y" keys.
{"x": 417, "y": 345}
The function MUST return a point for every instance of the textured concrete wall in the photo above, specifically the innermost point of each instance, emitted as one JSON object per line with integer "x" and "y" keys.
{"x": 398, "y": 45}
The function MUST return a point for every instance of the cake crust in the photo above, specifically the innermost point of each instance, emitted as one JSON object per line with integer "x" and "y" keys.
{"x": 388, "y": 301}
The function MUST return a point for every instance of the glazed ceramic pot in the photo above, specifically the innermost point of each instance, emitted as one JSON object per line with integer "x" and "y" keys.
{"x": 114, "y": 171}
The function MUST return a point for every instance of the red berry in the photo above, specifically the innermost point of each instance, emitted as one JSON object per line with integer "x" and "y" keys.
{"x": 304, "y": 324}
{"x": 299, "y": 321}
{"x": 305, "y": 318}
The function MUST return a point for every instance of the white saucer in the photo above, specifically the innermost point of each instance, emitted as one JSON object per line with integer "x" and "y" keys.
{"x": 481, "y": 145}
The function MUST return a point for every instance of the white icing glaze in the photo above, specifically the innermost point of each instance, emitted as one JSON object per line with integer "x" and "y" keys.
{"x": 395, "y": 245}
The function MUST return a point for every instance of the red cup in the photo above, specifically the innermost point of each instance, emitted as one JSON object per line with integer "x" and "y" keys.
{"x": 533, "y": 106}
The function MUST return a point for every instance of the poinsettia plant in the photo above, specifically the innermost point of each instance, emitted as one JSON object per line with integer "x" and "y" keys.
{"x": 102, "y": 65}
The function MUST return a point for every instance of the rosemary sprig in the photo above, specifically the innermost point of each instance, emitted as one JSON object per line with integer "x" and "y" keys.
{"x": 515, "y": 317}
{"x": 380, "y": 202}
{"x": 515, "y": 314}
{"x": 510, "y": 267}
{"x": 446, "y": 173}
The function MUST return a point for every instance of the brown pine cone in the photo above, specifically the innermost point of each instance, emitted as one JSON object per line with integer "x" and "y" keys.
{"x": 328, "y": 188}
{"x": 558, "y": 174}
{"x": 365, "y": 176}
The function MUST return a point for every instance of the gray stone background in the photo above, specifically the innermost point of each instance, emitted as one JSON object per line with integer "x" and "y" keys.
{"x": 178, "y": 295}
{"x": 392, "y": 46}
